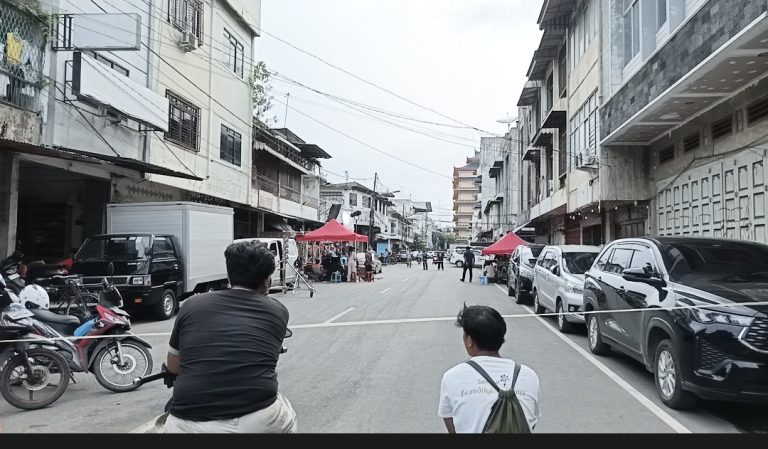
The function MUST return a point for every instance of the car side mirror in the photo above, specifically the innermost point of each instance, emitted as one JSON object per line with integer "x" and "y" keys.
{"x": 555, "y": 269}
{"x": 533, "y": 261}
{"x": 641, "y": 275}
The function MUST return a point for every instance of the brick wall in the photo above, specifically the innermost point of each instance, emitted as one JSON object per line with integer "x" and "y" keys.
{"x": 713, "y": 25}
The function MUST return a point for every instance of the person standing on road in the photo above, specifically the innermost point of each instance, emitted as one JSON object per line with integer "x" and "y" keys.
{"x": 440, "y": 257}
{"x": 352, "y": 266}
{"x": 425, "y": 260}
{"x": 466, "y": 397}
{"x": 469, "y": 262}
{"x": 224, "y": 348}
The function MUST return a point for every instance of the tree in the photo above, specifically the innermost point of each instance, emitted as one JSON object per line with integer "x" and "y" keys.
{"x": 443, "y": 239}
{"x": 418, "y": 243}
{"x": 261, "y": 81}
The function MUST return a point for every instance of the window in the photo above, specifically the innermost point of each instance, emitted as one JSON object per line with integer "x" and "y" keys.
{"x": 183, "y": 122}
{"x": 367, "y": 201}
{"x": 722, "y": 128}
{"x": 231, "y": 143}
{"x": 643, "y": 258}
{"x": 691, "y": 142}
{"x": 550, "y": 93}
{"x": 631, "y": 29}
{"x": 661, "y": 13}
{"x": 353, "y": 199}
{"x": 757, "y": 110}
{"x": 666, "y": 155}
{"x": 620, "y": 260}
{"x": 187, "y": 15}
{"x": 107, "y": 62}
{"x": 602, "y": 261}
{"x": 547, "y": 259}
{"x": 562, "y": 81}
{"x": 162, "y": 248}
{"x": 578, "y": 263}
{"x": 235, "y": 54}
{"x": 583, "y": 128}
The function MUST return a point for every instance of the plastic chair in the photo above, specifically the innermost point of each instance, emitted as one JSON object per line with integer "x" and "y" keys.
{"x": 483, "y": 280}
{"x": 335, "y": 277}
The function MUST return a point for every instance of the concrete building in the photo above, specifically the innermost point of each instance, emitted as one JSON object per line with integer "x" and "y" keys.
{"x": 498, "y": 171}
{"x": 689, "y": 98}
{"x": 466, "y": 189}
{"x": 354, "y": 202}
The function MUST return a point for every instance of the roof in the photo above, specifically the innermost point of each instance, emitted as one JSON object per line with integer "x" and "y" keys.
{"x": 671, "y": 240}
{"x": 289, "y": 135}
{"x": 310, "y": 150}
{"x": 576, "y": 248}
{"x": 348, "y": 186}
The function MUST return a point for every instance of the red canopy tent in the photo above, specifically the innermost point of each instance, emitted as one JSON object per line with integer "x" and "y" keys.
{"x": 333, "y": 231}
{"x": 505, "y": 246}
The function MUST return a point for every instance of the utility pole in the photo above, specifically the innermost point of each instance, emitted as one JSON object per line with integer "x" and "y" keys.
{"x": 373, "y": 208}
{"x": 287, "y": 99}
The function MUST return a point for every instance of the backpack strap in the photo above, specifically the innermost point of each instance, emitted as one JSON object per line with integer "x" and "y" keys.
{"x": 514, "y": 376}
{"x": 482, "y": 372}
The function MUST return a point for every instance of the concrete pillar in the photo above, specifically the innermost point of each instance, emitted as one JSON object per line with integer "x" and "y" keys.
{"x": 9, "y": 202}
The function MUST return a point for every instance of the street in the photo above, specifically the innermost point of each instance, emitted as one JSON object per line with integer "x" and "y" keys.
{"x": 369, "y": 357}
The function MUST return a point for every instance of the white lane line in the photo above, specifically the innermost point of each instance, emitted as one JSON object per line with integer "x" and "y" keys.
{"x": 336, "y": 317}
{"x": 653, "y": 408}
{"x": 385, "y": 290}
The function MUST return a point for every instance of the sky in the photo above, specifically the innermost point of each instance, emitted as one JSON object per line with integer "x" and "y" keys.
{"x": 464, "y": 59}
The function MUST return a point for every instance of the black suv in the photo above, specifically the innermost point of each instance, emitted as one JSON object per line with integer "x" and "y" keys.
{"x": 716, "y": 350}
{"x": 521, "y": 263}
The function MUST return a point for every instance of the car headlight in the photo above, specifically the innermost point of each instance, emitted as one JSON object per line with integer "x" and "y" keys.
{"x": 142, "y": 280}
{"x": 571, "y": 287}
{"x": 707, "y": 316}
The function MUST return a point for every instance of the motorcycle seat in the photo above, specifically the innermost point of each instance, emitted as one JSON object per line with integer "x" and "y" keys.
{"x": 51, "y": 317}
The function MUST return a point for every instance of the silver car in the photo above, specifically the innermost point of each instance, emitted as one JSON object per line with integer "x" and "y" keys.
{"x": 558, "y": 282}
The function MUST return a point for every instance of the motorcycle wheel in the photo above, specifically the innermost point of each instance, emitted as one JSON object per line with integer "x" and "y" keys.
{"x": 19, "y": 389}
{"x": 112, "y": 376}
{"x": 82, "y": 306}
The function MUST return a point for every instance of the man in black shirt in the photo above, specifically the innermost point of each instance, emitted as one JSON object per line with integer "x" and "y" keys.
{"x": 469, "y": 262}
{"x": 224, "y": 348}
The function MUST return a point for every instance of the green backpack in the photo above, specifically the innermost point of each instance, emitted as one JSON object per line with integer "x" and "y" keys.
{"x": 507, "y": 415}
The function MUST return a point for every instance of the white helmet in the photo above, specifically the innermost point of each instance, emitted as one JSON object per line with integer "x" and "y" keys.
{"x": 36, "y": 295}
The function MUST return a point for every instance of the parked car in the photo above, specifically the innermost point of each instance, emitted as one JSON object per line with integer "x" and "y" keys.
{"x": 402, "y": 256}
{"x": 458, "y": 258}
{"x": 291, "y": 251}
{"x": 521, "y": 265}
{"x": 558, "y": 282}
{"x": 710, "y": 351}
{"x": 376, "y": 261}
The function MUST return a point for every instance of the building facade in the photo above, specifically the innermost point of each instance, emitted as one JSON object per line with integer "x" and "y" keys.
{"x": 466, "y": 189}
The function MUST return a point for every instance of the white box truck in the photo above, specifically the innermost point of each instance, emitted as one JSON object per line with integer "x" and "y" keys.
{"x": 161, "y": 252}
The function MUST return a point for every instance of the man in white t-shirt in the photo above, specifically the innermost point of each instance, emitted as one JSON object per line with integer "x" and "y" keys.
{"x": 466, "y": 397}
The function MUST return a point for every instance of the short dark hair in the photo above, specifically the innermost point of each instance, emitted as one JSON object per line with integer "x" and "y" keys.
{"x": 249, "y": 263}
{"x": 484, "y": 325}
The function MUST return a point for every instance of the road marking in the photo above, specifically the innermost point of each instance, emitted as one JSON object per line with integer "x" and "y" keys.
{"x": 335, "y": 317}
{"x": 642, "y": 399}
{"x": 385, "y": 290}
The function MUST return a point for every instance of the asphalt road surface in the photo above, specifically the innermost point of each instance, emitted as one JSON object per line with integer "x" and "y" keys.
{"x": 369, "y": 357}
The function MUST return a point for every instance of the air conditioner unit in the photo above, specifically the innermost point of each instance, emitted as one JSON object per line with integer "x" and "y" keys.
{"x": 188, "y": 41}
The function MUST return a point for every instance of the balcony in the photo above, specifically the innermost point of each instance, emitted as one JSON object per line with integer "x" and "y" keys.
{"x": 673, "y": 86}
{"x": 21, "y": 64}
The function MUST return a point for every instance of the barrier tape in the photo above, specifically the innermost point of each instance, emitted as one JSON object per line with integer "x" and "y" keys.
{"x": 708, "y": 307}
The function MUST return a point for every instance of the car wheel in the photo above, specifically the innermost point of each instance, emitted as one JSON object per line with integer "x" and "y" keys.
{"x": 459, "y": 264}
{"x": 669, "y": 383}
{"x": 537, "y": 308}
{"x": 519, "y": 298}
{"x": 510, "y": 291}
{"x": 563, "y": 325}
{"x": 167, "y": 305}
{"x": 596, "y": 343}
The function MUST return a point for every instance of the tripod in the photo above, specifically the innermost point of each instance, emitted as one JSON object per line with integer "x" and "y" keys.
{"x": 299, "y": 276}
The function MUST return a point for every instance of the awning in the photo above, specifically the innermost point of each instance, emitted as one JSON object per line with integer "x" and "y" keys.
{"x": 310, "y": 150}
{"x": 92, "y": 158}
{"x": 531, "y": 153}
{"x": 505, "y": 246}
{"x": 542, "y": 139}
{"x": 555, "y": 119}
{"x": 737, "y": 64}
{"x": 333, "y": 231}
{"x": 529, "y": 94}
{"x": 281, "y": 225}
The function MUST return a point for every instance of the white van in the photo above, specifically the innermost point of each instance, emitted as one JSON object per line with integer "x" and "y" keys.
{"x": 276, "y": 246}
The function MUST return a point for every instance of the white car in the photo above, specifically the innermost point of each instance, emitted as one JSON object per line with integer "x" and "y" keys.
{"x": 457, "y": 258}
{"x": 376, "y": 261}
{"x": 558, "y": 282}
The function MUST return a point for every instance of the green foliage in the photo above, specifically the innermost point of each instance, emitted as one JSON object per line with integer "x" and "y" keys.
{"x": 262, "y": 94}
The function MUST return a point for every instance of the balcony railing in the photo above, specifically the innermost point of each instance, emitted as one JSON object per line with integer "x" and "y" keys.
{"x": 267, "y": 184}
{"x": 18, "y": 92}
{"x": 290, "y": 194}
{"x": 22, "y": 40}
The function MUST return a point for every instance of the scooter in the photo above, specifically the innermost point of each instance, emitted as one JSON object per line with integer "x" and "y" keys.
{"x": 31, "y": 377}
{"x": 115, "y": 360}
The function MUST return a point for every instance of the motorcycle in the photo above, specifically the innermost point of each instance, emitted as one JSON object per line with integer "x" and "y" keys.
{"x": 168, "y": 379}
{"x": 27, "y": 369}
{"x": 52, "y": 278}
{"x": 115, "y": 360}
